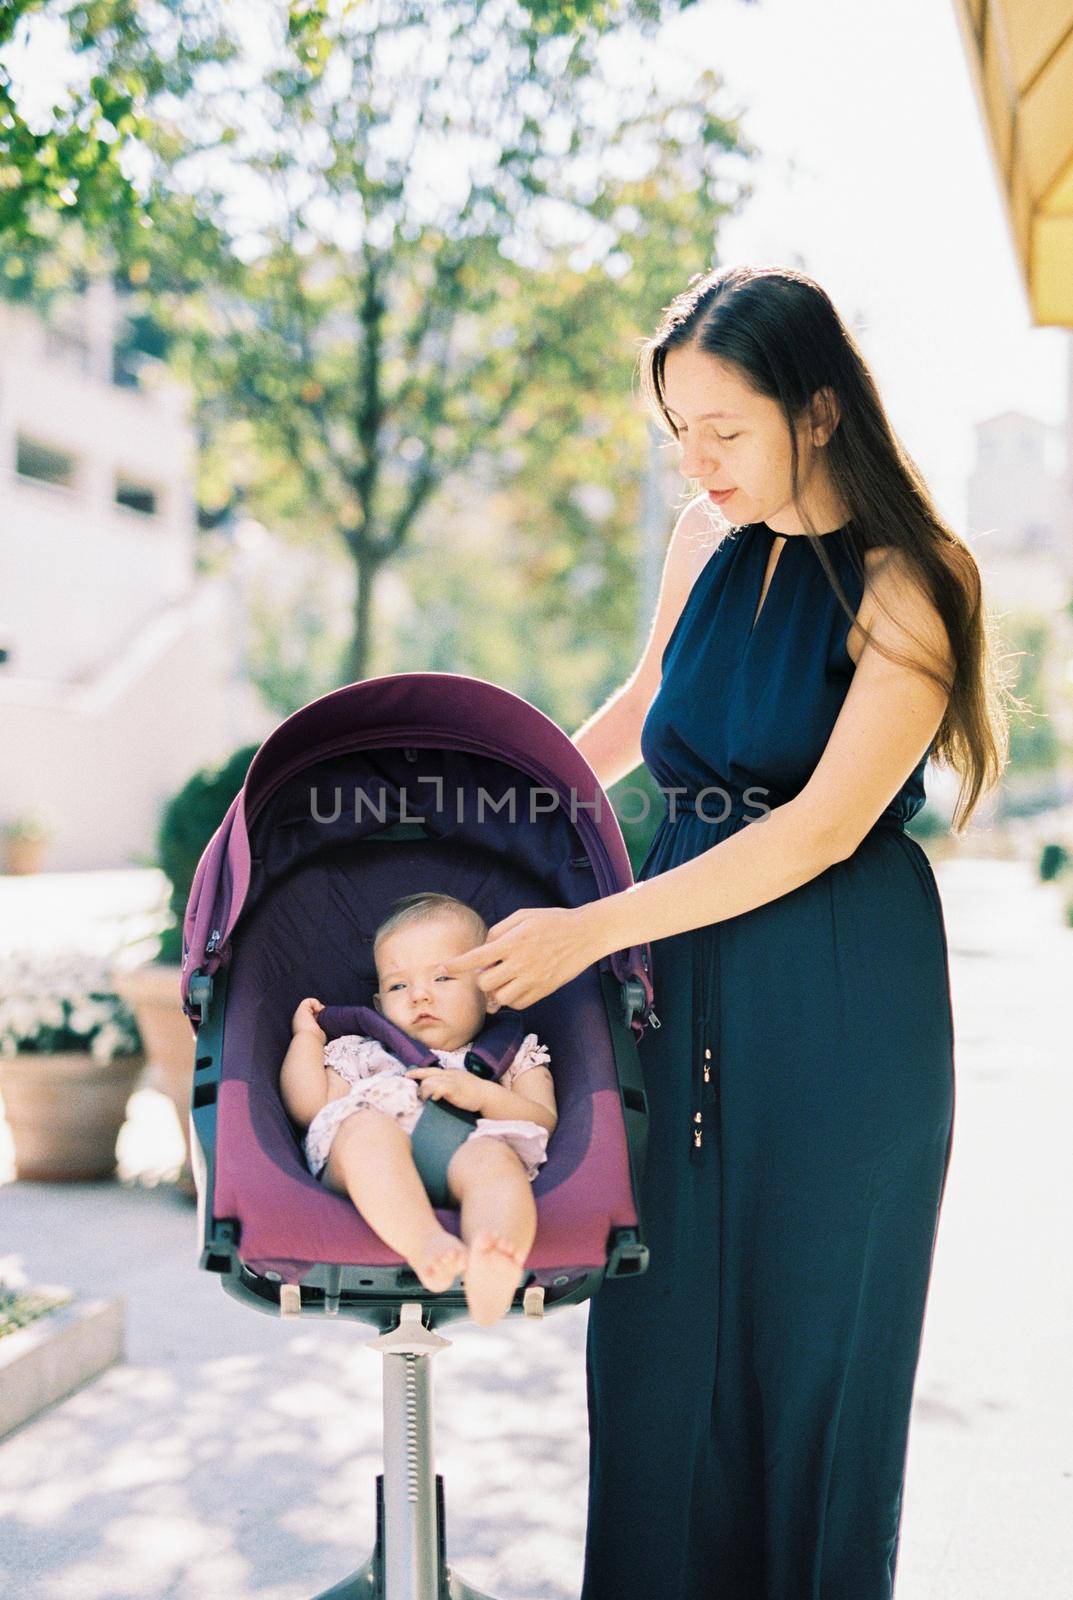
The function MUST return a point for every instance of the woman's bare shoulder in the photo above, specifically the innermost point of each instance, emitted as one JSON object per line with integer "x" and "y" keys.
{"x": 896, "y": 604}
{"x": 698, "y": 533}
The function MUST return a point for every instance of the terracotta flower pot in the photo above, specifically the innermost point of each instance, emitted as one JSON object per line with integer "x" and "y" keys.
{"x": 23, "y": 856}
{"x": 152, "y": 992}
{"x": 65, "y": 1112}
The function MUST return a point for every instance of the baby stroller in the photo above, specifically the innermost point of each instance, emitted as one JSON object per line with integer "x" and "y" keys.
{"x": 419, "y": 780}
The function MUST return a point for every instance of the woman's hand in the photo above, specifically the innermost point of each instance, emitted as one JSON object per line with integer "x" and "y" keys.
{"x": 462, "y": 1089}
{"x": 532, "y": 953}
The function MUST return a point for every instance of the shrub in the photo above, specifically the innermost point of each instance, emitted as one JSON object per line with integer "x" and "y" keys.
{"x": 1054, "y": 860}
{"x": 188, "y": 822}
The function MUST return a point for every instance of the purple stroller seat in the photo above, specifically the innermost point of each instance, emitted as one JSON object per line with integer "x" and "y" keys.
{"x": 413, "y": 781}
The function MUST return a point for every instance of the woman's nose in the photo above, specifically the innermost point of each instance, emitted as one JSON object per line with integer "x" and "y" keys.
{"x": 694, "y": 461}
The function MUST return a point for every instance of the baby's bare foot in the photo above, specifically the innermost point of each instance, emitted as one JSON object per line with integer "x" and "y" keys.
{"x": 438, "y": 1260}
{"x": 493, "y": 1272}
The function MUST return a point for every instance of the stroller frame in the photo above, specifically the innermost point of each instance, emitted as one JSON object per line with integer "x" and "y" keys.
{"x": 409, "y": 1560}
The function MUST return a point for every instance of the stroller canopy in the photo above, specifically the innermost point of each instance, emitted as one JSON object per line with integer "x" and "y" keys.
{"x": 420, "y": 710}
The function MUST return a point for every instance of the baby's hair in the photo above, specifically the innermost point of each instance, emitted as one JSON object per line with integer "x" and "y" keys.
{"x": 425, "y": 907}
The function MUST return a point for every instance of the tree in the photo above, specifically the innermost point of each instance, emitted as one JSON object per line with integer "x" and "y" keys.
{"x": 382, "y": 326}
{"x": 1035, "y": 747}
{"x": 367, "y": 329}
{"x": 70, "y": 166}
{"x": 562, "y": 485}
{"x": 136, "y": 53}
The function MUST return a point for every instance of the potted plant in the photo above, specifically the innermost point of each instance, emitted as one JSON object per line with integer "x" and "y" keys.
{"x": 70, "y": 1058}
{"x": 25, "y": 839}
{"x": 187, "y": 823}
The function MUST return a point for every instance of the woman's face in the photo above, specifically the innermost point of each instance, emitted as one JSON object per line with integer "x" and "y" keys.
{"x": 745, "y": 447}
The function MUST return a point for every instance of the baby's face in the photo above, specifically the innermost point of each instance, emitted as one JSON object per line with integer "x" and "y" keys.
{"x": 417, "y": 995}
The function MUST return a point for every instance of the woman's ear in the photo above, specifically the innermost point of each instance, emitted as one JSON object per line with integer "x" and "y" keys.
{"x": 826, "y": 415}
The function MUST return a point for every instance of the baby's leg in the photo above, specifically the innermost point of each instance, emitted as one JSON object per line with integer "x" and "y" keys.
{"x": 499, "y": 1221}
{"x": 371, "y": 1161}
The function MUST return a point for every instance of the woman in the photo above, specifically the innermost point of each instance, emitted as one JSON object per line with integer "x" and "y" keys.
{"x": 749, "y": 1396}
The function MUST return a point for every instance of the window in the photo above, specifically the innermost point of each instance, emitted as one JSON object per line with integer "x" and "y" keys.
{"x": 44, "y": 463}
{"x": 136, "y": 496}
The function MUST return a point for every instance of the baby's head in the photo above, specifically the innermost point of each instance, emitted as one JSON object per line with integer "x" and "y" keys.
{"x": 420, "y": 933}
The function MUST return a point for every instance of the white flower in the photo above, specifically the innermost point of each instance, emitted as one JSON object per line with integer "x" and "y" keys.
{"x": 62, "y": 1001}
{"x": 50, "y": 1013}
{"x": 106, "y": 1043}
{"x": 89, "y": 1014}
{"x": 22, "y": 1018}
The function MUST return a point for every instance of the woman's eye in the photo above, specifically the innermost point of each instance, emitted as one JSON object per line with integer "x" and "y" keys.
{"x": 445, "y": 977}
{"x": 725, "y": 438}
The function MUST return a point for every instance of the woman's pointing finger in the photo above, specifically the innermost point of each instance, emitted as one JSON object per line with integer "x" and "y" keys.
{"x": 478, "y": 957}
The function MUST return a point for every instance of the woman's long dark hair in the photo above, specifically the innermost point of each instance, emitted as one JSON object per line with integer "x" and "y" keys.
{"x": 781, "y": 331}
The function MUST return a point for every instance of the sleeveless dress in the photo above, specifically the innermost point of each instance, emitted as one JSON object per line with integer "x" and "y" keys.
{"x": 749, "y": 1395}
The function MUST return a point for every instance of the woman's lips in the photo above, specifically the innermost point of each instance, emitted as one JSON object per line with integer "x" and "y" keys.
{"x": 719, "y": 495}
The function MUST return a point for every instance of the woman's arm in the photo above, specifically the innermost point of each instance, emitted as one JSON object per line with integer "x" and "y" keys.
{"x": 610, "y": 740}
{"x": 763, "y": 860}
{"x": 888, "y": 720}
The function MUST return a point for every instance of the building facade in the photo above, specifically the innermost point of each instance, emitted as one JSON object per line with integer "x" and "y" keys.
{"x": 117, "y": 667}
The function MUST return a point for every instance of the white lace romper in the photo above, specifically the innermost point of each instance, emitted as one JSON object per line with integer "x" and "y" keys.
{"x": 379, "y": 1079}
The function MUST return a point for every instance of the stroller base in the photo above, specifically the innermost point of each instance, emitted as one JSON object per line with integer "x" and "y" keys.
{"x": 362, "y": 1585}
{"x": 409, "y": 1560}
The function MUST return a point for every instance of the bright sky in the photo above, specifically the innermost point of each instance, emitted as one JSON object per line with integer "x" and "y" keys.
{"x": 876, "y": 179}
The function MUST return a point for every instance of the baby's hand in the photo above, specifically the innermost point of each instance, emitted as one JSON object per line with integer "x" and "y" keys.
{"x": 305, "y": 1018}
{"x": 462, "y": 1089}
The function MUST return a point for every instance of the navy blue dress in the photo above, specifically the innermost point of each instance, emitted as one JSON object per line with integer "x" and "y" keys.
{"x": 749, "y": 1396}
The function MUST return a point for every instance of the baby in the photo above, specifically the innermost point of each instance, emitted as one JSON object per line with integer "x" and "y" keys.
{"x": 368, "y": 1156}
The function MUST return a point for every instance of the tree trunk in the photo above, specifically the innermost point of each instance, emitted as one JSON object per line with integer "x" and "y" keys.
{"x": 359, "y": 651}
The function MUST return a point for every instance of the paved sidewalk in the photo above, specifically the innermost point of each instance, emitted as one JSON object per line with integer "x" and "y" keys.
{"x": 232, "y": 1455}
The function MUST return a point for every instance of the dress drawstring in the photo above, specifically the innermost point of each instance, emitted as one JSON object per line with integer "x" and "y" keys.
{"x": 705, "y": 1065}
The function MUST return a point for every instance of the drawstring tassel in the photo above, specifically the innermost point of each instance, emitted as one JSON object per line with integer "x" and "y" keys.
{"x": 707, "y": 1095}
{"x": 701, "y": 1076}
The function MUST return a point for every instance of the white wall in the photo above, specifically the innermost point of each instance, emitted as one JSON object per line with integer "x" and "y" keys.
{"x": 103, "y": 757}
{"x": 1017, "y": 489}
{"x": 80, "y": 574}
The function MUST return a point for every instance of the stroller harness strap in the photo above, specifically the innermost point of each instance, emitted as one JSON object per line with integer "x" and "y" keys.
{"x": 489, "y": 1056}
{"x": 442, "y": 1128}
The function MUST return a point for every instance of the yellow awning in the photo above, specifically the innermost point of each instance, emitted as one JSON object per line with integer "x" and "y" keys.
{"x": 1021, "y": 54}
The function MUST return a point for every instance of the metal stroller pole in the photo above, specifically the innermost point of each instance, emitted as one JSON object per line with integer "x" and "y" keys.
{"x": 411, "y": 1545}
{"x": 409, "y": 1561}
